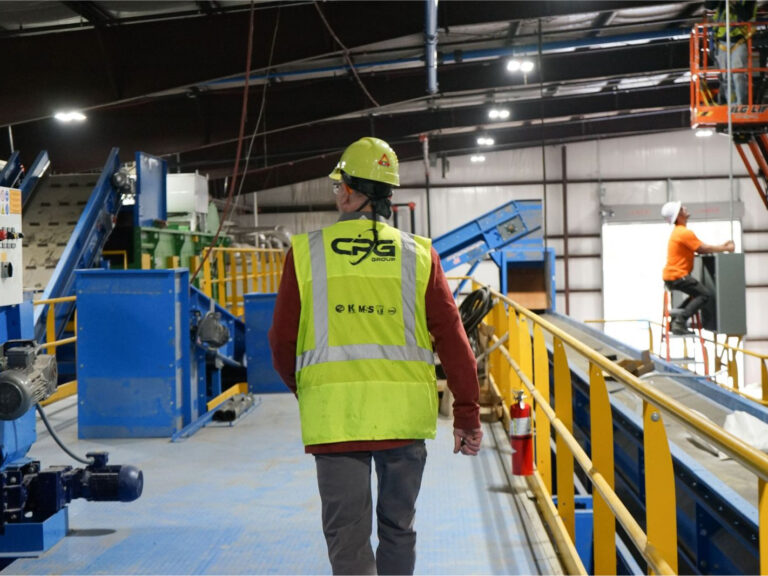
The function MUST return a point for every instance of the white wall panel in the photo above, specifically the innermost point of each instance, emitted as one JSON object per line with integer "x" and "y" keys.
{"x": 756, "y": 269}
{"x": 755, "y": 241}
{"x": 299, "y": 222}
{"x": 583, "y": 273}
{"x": 752, "y": 375}
{"x": 506, "y": 166}
{"x": 755, "y": 212}
{"x": 678, "y": 153}
{"x": 584, "y": 306}
{"x": 583, "y": 209}
{"x": 757, "y": 311}
{"x": 584, "y": 246}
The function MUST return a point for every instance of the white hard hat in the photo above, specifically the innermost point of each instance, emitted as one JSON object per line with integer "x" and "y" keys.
{"x": 670, "y": 210}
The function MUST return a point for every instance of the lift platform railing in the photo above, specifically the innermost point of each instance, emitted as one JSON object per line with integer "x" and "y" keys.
{"x": 707, "y": 80}
{"x": 229, "y": 273}
{"x": 523, "y": 364}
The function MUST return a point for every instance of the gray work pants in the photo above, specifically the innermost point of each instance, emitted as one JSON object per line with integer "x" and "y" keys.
{"x": 344, "y": 481}
{"x": 698, "y": 294}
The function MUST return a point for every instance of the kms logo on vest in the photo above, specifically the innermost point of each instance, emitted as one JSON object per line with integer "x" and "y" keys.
{"x": 361, "y": 248}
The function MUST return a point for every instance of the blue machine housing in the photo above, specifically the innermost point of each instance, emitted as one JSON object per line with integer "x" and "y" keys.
{"x": 142, "y": 370}
{"x": 133, "y": 340}
{"x": 262, "y": 377}
{"x": 512, "y": 236}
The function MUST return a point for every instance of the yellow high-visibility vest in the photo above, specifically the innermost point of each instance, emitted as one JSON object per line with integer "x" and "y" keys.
{"x": 364, "y": 360}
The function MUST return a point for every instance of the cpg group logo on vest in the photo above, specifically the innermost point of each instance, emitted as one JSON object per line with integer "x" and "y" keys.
{"x": 361, "y": 248}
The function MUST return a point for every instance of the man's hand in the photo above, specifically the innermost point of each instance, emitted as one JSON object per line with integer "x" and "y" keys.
{"x": 729, "y": 246}
{"x": 467, "y": 441}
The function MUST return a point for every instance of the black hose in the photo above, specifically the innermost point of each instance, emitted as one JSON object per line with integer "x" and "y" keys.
{"x": 55, "y": 436}
{"x": 474, "y": 308}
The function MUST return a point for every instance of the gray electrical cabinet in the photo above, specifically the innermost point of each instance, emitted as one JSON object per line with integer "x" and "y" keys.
{"x": 724, "y": 274}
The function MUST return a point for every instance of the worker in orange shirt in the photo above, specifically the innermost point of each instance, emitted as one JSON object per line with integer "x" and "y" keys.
{"x": 683, "y": 244}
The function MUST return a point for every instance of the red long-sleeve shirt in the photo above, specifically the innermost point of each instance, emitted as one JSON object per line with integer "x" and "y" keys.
{"x": 443, "y": 322}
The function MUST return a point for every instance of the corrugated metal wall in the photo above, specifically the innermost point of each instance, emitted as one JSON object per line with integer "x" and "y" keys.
{"x": 644, "y": 170}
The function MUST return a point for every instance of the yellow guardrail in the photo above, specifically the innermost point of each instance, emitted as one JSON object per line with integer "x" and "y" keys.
{"x": 229, "y": 273}
{"x": 69, "y": 388}
{"x": 50, "y": 323}
{"x": 523, "y": 364}
{"x": 121, "y": 253}
{"x": 731, "y": 370}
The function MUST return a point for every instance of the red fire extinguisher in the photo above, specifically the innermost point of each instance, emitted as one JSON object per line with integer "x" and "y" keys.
{"x": 521, "y": 436}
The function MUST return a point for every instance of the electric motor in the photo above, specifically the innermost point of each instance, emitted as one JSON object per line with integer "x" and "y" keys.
{"x": 27, "y": 378}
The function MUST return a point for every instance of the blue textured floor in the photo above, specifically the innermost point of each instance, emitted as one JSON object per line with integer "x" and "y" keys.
{"x": 243, "y": 500}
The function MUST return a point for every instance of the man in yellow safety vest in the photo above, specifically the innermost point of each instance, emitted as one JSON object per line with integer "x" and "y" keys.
{"x": 350, "y": 337}
{"x": 740, "y": 14}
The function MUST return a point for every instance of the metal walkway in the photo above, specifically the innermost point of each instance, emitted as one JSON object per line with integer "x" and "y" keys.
{"x": 243, "y": 500}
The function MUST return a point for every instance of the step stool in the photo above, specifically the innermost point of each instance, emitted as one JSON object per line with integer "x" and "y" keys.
{"x": 666, "y": 334}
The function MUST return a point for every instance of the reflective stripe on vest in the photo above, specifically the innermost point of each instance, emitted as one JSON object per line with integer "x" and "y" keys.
{"x": 364, "y": 364}
{"x": 323, "y": 352}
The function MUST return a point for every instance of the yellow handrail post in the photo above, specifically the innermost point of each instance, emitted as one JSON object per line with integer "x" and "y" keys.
{"x": 660, "y": 506}
{"x": 194, "y": 263}
{"x": 268, "y": 271}
{"x": 50, "y": 328}
{"x": 541, "y": 424}
{"x": 207, "y": 276}
{"x": 276, "y": 270}
{"x": 221, "y": 279}
{"x": 764, "y": 379}
{"x": 494, "y": 358}
{"x": 500, "y": 365}
{"x": 601, "y": 441}
{"x": 564, "y": 411}
{"x": 255, "y": 272}
{"x": 513, "y": 347}
{"x": 762, "y": 496}
{"x": 650, "y": 337}
{"x": 244, "y": 279}
{"x": 233, "y": 306}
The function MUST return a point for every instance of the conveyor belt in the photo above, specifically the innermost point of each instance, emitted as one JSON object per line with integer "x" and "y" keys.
{"x": 48, "y": 222}
{"x": 726, "y": 470}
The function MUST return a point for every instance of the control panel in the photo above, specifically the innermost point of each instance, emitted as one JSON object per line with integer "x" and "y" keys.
{"x": 11, "y": 285}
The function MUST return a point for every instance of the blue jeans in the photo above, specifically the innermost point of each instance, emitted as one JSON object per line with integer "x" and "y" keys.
{"x": 739, "y": 88}
{"x": 344, "y": 481}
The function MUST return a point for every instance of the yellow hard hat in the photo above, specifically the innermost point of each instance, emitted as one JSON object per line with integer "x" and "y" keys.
{"x": 371, "y": 159}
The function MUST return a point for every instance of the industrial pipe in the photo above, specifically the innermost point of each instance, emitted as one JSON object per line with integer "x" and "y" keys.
{"x": 430, "y": 47}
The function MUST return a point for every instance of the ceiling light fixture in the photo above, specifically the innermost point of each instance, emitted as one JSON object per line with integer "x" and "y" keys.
{"x": 485, "y": 141}
{"x": 498, "y": 113}
{"x": 516, "y": 65}
{"x": 71, "y": 116}
{"x": 704, "y": 132}
{"x": 475, "y": 158}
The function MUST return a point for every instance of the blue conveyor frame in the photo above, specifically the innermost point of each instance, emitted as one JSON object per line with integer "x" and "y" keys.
{"x": 84, "y": 246}
{"x": 511, "y": 235}
{"x": 717, "y": 528}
